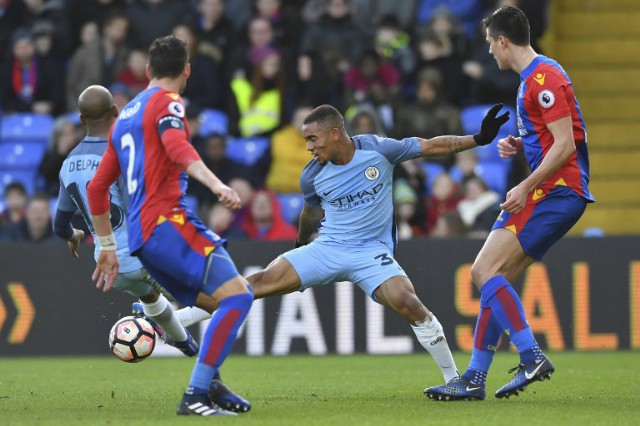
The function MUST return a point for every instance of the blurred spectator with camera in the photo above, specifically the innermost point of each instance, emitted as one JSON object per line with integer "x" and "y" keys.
{"x": 35, "y": 226}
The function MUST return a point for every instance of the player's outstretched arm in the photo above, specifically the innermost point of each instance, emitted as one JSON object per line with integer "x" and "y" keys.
{"x": 310, "y": 219}
{"x": 444, "y": 145}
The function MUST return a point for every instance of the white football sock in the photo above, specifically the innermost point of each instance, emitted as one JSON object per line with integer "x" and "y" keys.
{"x": 431, "y": 336}
{"x": 162, "y": 313}
{"x": 191, "y": 315}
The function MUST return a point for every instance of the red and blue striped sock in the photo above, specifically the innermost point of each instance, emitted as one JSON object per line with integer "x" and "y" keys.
{"x": 507, "y": 308}
{"x": 218, "y": 340}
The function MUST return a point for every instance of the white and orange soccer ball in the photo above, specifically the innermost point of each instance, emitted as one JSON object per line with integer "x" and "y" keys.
{"x": 132, "y": 339}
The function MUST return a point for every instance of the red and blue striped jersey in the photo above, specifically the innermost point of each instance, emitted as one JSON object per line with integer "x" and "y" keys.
{"x": 546, "y": 95}
{"x": 149, "y": 161}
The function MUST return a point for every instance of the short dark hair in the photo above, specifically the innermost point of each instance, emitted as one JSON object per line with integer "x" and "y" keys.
{"x": 325, "y": 115}
{"x": 167, "y": 57}
{"x": 15, "y": 186}
{"x": 510, "y": 22}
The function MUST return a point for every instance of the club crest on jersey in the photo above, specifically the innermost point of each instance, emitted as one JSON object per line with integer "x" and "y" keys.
{"x": 177, "y": 109}
{"x": 372, "y": 173}
{"x": 546, "y": 98}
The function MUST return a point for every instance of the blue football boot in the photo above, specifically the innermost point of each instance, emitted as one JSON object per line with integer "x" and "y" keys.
{"x": 200, "y": 405}
{"x": 221, "y": 395}
{"x": 525, "y": 375}
{"x": 457, "y": 389}
{"x": 189, "y": 347}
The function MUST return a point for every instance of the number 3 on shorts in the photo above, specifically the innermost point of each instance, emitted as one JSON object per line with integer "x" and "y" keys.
{"x": 384, "y": 259}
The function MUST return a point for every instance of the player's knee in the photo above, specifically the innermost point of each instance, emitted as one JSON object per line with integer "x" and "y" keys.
{"x": 479, "y": 274}
{"x": 241, "y": 301}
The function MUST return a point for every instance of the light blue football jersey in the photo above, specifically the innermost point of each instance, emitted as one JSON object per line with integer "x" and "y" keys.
{"x": 357, "y": 197}
{"x": 77, "y": 171}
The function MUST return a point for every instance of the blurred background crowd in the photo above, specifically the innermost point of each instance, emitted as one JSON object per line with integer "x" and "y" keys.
{"x": 396, "y": 68}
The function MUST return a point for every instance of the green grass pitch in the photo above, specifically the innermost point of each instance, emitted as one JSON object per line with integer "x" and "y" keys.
{"x": 587, "y": 389}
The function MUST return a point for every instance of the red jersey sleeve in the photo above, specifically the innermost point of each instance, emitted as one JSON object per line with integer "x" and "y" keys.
{"x": 174, "y": 131}
{"x": 549, "y": 93}
{"x": 107, "y": 173}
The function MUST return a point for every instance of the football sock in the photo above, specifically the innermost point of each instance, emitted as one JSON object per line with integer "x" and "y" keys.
{"x": 485, "y": 341}
{"x": 218, "y": 339}
{"x": 191, "y": 315}
{"x": 431, "y": 336}
{"x": 162, "y": 313}
{"x": 507, "y": 309}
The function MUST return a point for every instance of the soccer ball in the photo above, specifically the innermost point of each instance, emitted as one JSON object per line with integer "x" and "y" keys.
{"x": 132, "y": 339}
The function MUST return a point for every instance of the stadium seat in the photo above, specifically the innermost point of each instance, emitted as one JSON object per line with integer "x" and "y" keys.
{"x": 432, "y": 170}
{"x": 471, "y": 118}
{"x": 494, "y": 174}
{"x": 15, "y": 155}
{"x": 26, "y": 127}
{"x": 213, "y": 122}
{"x": 291, "y": 206}
{"x": 28, "y": 178}
{"x": 247, "y": 150}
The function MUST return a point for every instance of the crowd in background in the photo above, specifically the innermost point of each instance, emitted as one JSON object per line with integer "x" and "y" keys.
{"x": 394, "y": 68}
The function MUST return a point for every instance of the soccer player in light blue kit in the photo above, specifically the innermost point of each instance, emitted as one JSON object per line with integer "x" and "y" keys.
{"x": 349, "y": 183}
{"x": 97, "y": 113}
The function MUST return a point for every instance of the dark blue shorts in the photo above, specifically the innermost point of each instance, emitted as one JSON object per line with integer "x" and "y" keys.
{"x": 186, "y": 258}
{"x": 546, "y": 217}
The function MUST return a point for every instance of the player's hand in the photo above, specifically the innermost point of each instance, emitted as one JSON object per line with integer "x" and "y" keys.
{"x": 106, "y": 271}
{"x": 74, "y": 242}
{"x": 509, "y": 146}
{"x": 227, "y": 196}
{"x": 490, "y": 126}
{"x": 516, "y": 199}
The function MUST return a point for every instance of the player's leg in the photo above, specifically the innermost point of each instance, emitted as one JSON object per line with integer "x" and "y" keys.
{"x": 278, "y": 278}
{"x": 296, "y": 270}
{"x": 155, "y": 307}
{"x": 233, "y": 297}
{"x": 398, "y": 294}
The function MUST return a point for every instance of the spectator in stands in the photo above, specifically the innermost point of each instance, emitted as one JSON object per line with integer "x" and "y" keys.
{"x": 430, "y": 114}
{"x": 151, "y": 19}
{"x": 258, "y": 99}
{"x": 405, "y": 202}
{"x": 213, "y": 153}
{"x": 35, "y": 226}
{"x": 311, "y": 85}
{"x": 221, "y": 221}
{"x": 82, "y": 12}
{"x": 15, "y": 201}
{"x": 134, "y": 76}
{"x": 468, "y": 12}
{"x": 29, "y": 83}
{"x": 89, "y": 33}
{"x": 465, "y": 167}
{"x": 99, "y": 62}
{"x": 206, "y": 88}
{"x": 372, "y": 11}
{"x": 64, "y": 138}
{"x": 289, "y": 155}
{"x": 448, "y": 224}
{"x": 260, "y": 40}
{"x": 336, "y": 36}
{"x": 441, "y": 45}
{"x": 286, "y": 30}
{"x": 393, "y": 44}
{"x": 375, "y": 83}
{"x": 445, "y": 196}
{"x": 365, "y": 121}
{"x": 265, "y": 221}
{"x": 479, "y": 208}
{"x": 216, "y": 33}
